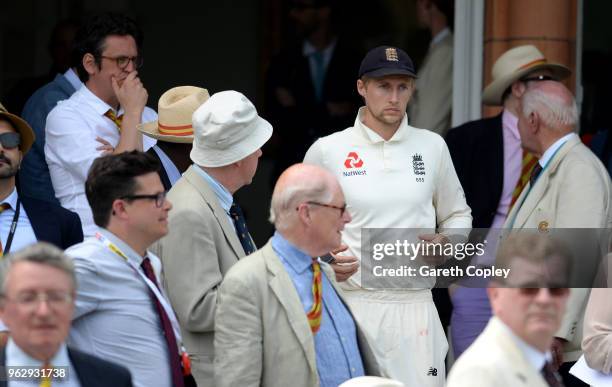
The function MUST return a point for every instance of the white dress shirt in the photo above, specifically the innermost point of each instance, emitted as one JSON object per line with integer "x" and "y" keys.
{"x": 70, "y": 147}
{"x": 24, "y": 233}
{"x": 115, "y": 317}
{"x": 15, "y": 357}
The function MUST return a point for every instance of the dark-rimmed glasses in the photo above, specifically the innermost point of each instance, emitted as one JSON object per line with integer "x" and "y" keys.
{"x": 555, "y": 292}
{"x": 123, "y": 61}
{"x": 342, "y": 209}
{"x": 10, "y": 140}
{"x": 538, "y": 78}
{"x": 159, "y": 198}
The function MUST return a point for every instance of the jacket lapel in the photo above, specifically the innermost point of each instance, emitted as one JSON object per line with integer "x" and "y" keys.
{"x": 285, "y": 292}
{"x": 211, "y": 200}
{"x": 531, "y": 196}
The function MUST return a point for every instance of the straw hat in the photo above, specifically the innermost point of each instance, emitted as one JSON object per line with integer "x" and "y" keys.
{"x": 22, "y": 127}
{"x": 174, "y": 109}
{"x": 227, "y": 129}
{"x": 513, "y": 65}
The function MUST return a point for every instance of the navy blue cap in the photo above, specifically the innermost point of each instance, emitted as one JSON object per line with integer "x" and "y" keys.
{"x": 386, "y": 60}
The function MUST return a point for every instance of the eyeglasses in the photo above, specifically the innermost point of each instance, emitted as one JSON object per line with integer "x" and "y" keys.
{"x": 555, "y": 292}
{"x": 538, "y": 78}
{"x": 124, "y": 61}
{"x": 10, "y": 140}
{"x": 342, "y": 209}
{"x": 31, "y": 300}
{"x": 159, "y": 198}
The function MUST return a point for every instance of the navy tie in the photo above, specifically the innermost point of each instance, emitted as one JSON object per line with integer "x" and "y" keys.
{"x": 535, "y": 173}
{"x": 241, "y": 229}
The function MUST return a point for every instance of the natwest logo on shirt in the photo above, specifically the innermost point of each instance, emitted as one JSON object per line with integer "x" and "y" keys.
{"x": 353, "y": 161}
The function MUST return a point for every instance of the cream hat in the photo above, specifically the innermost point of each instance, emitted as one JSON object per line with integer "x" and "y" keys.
{"x": 175, "y": 108}
{"x": 227, "y": 129}
{"x": 514, "y": 64}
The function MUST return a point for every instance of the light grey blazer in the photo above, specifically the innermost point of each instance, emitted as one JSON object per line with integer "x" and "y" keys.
{"x": 199, "y": 249}
{"x": 262, "y": 334}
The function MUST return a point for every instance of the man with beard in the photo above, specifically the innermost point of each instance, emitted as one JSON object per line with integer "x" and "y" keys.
{"x": 23, "y": 220}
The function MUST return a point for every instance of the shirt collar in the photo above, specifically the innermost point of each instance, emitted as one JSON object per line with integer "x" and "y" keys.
{"x": 17, "y": 357}
{"x": 294, "y": 257}
{"x": 439, "y": 36}
{"x": 534, "y": 357}
{"x": 510, "y": 124}
{"x": 224, "y": 196}
{"x": 550, "y": 152}
{"x": 374, "y": 137}
{"x": 122, "y": 246}
{"x": 12, "y": 199}
{"x": 73, "y": 79}
{"x": 96, "y": 103}
{"x": 308, "y": 49}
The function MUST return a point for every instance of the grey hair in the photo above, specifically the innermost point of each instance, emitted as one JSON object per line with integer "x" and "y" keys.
{"x": 552, "y": 109}
{"x": 41, "y": 253}
{"x": 285, "y": 202}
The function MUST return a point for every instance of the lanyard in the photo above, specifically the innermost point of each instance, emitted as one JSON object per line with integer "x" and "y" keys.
{"x": 156, "y": 292}
{"x": 9, "y": 238}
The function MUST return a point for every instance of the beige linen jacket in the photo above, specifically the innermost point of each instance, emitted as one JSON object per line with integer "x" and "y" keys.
{"x": 494, "y": 360}
{"x": 573, "y": 191}
{"x": 262, "y": 336}
{"x": 199, "y": 249}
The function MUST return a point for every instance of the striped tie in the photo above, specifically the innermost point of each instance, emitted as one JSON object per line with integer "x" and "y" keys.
{"x": 45, "y": 381}
{"x": 110, "y": 114}
{"x": 314, "y": 316}
{"x": 529, "y": 161}
{"x": 3, "y": 206}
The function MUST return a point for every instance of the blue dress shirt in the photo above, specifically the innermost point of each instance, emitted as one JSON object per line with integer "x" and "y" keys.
{"x": 336, "y": 348}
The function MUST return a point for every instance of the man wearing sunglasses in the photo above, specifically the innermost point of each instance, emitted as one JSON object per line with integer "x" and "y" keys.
{"x": 102, "y": 116}
{"x": 24, "y": 220}
{"x": 493, "y": 169}
{"x": 122, "y": 312}
{"x": 528, "y": 306}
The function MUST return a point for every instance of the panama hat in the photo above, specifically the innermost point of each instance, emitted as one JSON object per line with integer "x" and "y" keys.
{"x": 227, "y": 129}
{"x": 25, "y": 131}
{"x": 513, "y": 65}
{"x": 174, "y": 109}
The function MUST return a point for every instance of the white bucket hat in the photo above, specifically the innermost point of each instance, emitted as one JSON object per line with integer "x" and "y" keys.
{"x": 514, "y": 64}
{"x": 227, "y": 129}
{"x": 174, "y": 109}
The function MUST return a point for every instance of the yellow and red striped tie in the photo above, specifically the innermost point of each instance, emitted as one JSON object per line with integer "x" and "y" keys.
{"x": 3, "y": 206}
{"x": 314, "y": 316}
{"x": 110, "y": 114}
{"x": 529, "y": 161}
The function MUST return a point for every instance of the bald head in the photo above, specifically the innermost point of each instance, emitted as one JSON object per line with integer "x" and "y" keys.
{"x": 299, "y": 183}
{"x": 552, "y": 103}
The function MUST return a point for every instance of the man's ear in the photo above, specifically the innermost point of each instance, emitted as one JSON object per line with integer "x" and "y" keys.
{"x": 518, "y": 89}
{"x": 534, "y": 121}
{"x": 89, "y": 63}
{"x": 361, "y": 87}
{"x": 118, "y": 208}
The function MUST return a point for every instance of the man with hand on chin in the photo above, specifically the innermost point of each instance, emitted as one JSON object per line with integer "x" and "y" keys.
{"x": 102, "y": 116}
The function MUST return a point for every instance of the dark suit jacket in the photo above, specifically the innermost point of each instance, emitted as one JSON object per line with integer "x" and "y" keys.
{"x": 477, "y": 150}
{"x": 163, "y": 175}
{"x": 53, "y": 223}
{"x": 91, "y": 371}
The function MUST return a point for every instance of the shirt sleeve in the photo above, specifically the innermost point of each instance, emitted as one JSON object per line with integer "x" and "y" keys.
{"x": 314, "y": 155}
{"x": 88, "y": 288}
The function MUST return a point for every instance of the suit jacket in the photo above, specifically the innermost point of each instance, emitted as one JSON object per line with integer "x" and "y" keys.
{"x": 163, "y": 175}
{"x": 92, "y": 371}
{"x": 494, "y": 360}
{"x": 431, "y": 105}
{"x": 573, "y": 191}
{"x": 477, "y": 150}
{"x": 53, "y": 223}
{"x": 197, "y": 252}
{"x": 34, "y": 179}
{"x": 262, "y": 333}
{"x": 597, "y": 333}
